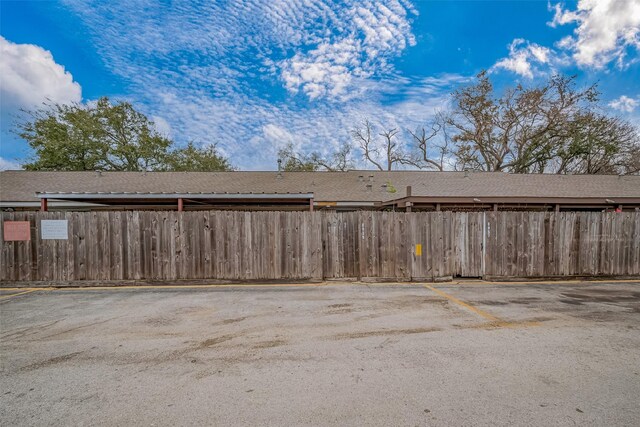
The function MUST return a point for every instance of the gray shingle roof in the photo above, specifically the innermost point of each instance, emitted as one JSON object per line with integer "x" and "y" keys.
{"x": 326, "y": 186}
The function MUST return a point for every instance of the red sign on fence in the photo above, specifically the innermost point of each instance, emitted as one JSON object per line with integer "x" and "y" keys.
{"x": 16, "y": 230}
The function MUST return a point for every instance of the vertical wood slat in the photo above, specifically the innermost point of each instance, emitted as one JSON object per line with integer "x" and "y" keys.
{"x": 299, "y": 245}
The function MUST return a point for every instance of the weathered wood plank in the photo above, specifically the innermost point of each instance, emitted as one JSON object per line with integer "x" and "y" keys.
{"x": 301, "y": 245}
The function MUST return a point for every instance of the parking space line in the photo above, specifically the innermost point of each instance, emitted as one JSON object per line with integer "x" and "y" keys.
{"x": 204, "y": 286}
{"x": 539, "y": 282}
{"x": 463, "y": 304}
{"x": 324, "y": 284}
{"x": 167, "y": 286}
{"x": 5, "y": 297}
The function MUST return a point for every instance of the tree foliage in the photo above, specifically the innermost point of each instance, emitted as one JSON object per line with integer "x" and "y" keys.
{"x": 192, "y": 158}
{"x": 108, "y": 137}
{"x": 598, "y": 144}
{"x": 554, "y": 127}
{"x": 292, "y": 161}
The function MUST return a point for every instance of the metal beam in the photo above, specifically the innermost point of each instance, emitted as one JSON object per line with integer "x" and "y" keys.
{"x": 512, "y": 200}
{"x": 223, "y": 196}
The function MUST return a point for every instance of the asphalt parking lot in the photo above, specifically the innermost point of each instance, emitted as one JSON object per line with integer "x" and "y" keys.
{"x": 339, "y": 354}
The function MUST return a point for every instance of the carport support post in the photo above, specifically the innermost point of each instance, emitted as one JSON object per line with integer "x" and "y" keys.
{"x": 180, "y": 205}
{"x": 311, "y": 204}
{"x": 43, "y": 205}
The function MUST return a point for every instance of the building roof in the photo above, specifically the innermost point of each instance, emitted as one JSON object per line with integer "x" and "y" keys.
{"x": 350, "y": 186}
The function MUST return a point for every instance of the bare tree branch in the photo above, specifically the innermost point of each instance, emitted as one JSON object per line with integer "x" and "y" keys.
{"x": 549, "y": 128}
{"x": 364, "y": 138}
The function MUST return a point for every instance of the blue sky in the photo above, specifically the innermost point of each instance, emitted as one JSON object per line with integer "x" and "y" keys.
{"x": 255, "y": 75}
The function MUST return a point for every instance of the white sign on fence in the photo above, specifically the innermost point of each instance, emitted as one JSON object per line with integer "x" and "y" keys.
{"x": 54, "y": 229}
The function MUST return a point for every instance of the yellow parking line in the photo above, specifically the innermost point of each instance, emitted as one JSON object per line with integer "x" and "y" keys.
{"x": 461, "y": 303}
{"x": 317, "y": 284}
{"x": 19, "y": 293}
{"x": 204, "y": 286}
{"x": 538, "y": 282}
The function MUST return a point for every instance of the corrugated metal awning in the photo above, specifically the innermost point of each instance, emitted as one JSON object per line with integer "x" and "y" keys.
{"x": 156, "y": 196}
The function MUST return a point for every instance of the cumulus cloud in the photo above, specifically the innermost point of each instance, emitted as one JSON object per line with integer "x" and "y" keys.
{"x": 318, "y": 48}
{"x": 325, "y": 71}
{"x": 370, "y": 34}
{"x": 606, "y": 31}
{"x": 624, "y": 104}
{"x": 252, "y": 74}
{"x": 29, "y": 75}
{"x": 525, "y": 58}
{"x": 228, "y": 72}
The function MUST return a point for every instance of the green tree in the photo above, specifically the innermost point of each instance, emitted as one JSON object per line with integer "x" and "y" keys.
{"x": 192, "y": 158}
{"x": 598, "y": 144}
{"x": 553, "y": 127}
{"x": 106, "y": 136}
{"x": 292, "y": 161}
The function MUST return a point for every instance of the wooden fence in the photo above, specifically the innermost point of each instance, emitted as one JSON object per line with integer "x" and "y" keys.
{"x": 165, "y": 245}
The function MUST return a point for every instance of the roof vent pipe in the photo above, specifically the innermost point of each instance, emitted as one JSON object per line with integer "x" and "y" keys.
{"x": 370, "y": 178}
{"x": 466, "y": 173}
{"x": 361, "y": 178}
{"x": 369, "y": 187}
{"x": 279, "y": 176}
{"x": 408, "y": 191}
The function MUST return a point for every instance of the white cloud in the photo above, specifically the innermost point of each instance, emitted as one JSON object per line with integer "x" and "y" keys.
{"x": 525, "y": 58}
{"x": 279, "y": 137}
{"x": 29, "y": 75}
{"x": 8, "y": 165}
{"x": 315, "y": 47}
{"x": 162, "y": 126}
{"x": 224, "y": 72}
{"x": 324, "y": 72}
{"x": 624, "y": 104}
{"x": 370, "y": 34}
{"x": 606, "y": 31}
{"x": 252, "y": 131}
